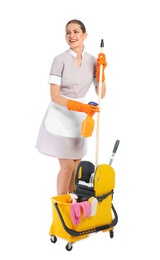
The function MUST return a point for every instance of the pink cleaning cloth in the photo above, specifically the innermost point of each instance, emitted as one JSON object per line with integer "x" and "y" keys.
{"x": 86, "y": 208}
{"x": 75, "y": 211}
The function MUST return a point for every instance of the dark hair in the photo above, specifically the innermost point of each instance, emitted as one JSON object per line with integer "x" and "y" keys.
{"x": 82, "y": 26}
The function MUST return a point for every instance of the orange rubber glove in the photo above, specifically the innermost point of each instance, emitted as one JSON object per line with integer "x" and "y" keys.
{"x": 101, "y": 60}
{"x": 81, "y": 107}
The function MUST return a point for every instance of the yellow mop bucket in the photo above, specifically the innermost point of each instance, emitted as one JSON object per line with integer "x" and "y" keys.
{"x": 105, "y": 217}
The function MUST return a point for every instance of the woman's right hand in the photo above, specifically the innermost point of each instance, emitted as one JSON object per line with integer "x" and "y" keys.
{"x": 81, "y": 107}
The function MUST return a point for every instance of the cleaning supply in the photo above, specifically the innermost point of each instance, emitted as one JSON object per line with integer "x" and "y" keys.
{"x": 89, "y": 109}
{"x": 88, "y": 124}
{"x": 94, "y": 205}
{"x": 74, "y": 197}
{"x": 76, "y": 213}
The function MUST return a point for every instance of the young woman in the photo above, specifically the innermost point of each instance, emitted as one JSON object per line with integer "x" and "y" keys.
{"x": 72, "y": 73}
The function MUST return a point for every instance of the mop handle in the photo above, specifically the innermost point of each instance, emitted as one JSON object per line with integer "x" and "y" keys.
{"x": 100, "y": 77}
{"x": 99, "y": 105}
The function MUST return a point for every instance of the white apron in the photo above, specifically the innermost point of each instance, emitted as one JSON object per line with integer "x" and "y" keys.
{"x": 63, "y": 122}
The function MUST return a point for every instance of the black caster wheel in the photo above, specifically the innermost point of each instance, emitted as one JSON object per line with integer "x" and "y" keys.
{"x": 69, "y": 246}
{"x": 111, "y": 233}
{"x": 53, "y": 239}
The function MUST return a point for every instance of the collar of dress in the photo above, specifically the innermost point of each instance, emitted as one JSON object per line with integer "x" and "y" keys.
{"x": 75, "y": 54}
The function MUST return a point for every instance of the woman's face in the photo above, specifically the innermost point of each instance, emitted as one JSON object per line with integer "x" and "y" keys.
{"x": 74, "y": 35}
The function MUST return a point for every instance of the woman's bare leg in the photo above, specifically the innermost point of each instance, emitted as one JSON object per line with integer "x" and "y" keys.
{"x": 65, "y": 175}
{"x": 72, "y": 181}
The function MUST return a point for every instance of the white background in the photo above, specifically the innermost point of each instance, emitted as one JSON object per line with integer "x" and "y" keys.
{"x": 32, "y": 33}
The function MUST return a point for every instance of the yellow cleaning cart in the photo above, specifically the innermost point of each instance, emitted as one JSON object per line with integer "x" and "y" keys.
{"x": 100, "y": 186}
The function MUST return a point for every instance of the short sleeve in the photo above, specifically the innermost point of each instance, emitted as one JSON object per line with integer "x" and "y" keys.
{"x": 94, "y": 82}
{"x": 56, "y": 70}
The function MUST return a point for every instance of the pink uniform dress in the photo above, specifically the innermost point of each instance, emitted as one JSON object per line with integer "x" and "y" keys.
{"x": 59, "y": 134}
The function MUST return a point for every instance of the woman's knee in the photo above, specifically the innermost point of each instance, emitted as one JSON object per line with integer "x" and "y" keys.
{"x": 67, "y": 165}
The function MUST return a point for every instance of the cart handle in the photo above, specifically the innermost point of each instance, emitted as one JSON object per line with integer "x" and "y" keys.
{"x": 116, "y": 146}
{"x": 114, "y": 151}
{"x": 89, "y": 231}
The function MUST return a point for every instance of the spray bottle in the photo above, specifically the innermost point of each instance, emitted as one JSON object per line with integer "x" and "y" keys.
{"x": 88, "y": 124}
